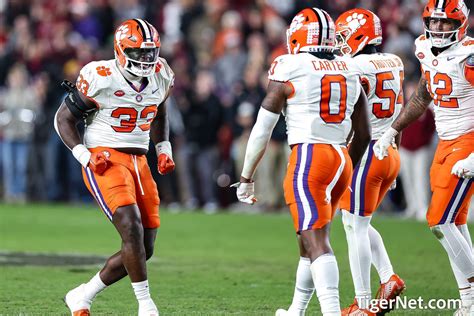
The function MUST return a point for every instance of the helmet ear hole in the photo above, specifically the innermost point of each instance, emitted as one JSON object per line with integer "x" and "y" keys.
{"x": 294, "y": 41}
{"x": 359, "y": 37}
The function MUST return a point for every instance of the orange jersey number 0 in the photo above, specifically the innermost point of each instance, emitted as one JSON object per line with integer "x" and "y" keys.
{"x": 326, "y": 84}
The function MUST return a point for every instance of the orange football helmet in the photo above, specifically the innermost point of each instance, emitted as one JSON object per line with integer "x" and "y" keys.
{"x": 137, "y": 47}
{"x": 311, "y": 30}
{"x": 446, "y": 9}
{"x": 357, "y": 28}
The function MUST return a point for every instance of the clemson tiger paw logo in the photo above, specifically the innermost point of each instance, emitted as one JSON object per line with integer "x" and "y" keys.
{"x": 355, "y": 21}
{"x": 121, "y": 33}
{"x": 104, "y": 72}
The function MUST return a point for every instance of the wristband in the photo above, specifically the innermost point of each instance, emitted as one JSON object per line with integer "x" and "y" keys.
{"x": 164, "y": 147}
{"x": 82, "y": 154}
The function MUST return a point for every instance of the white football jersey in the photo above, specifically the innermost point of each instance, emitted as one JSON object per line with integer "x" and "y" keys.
{"x": 325, "y": 92}
{"x": 383, "y": 74}
{"x": 453, "y": 95}
{"x": 123, "y": 115}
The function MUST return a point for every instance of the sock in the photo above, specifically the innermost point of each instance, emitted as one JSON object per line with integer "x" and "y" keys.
{"x": 142, "y": 293}
{"x": 94, "y": 287}
{"x": 326, "y": 281}
{"x": 466, "y": 297}
{"x": 465, "y": 233}
{"x": 304, "y": 288}
{"x": 360, "y": 256}
{"x": 467, "y": 294}
{"x": 380, "y": 258}
{"x": 456, "y": 246}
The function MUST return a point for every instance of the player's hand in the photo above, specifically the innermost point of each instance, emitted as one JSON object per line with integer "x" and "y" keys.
{"x": 165, "y": 157}
{"x": 245, "y": 192}
{"x": 99, "y": 162}
{"x": 464, "y": 168}
{"x": 384, "y": 142}
{"x": 393, "y": 186}
{"x": 165, "y": 164}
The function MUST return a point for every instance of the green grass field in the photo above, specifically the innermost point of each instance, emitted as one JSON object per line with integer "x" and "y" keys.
{"x": 226, "y": 264}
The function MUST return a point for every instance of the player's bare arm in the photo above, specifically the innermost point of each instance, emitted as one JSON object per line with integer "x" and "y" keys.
{"x": 361, "y": 129}
{"x": 414, "y": 108}
{"x": 159, "y": 134}
{"x": 66, "y": 122}
{"x": 274, "y": 101}
{"x": 74, "y": 109}
{"x": 159, "y": 130}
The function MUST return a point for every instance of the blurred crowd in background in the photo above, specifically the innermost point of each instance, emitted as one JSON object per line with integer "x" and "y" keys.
{"x": 220, "y": 51}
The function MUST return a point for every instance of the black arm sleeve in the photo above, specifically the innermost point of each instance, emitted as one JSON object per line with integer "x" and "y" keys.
{"x": 74, "y": 102}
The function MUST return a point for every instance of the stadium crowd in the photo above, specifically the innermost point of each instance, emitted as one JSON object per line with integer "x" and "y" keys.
{"x": 220, "y": 51}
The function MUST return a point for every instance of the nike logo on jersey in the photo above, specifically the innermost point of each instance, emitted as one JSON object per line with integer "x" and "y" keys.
{"x": 153, "y": 91}
{"x": 451, "y": 58}
{"x": 456, "y": 149}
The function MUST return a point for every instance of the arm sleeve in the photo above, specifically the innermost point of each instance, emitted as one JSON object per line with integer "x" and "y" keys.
{"x": 259, "y": 137}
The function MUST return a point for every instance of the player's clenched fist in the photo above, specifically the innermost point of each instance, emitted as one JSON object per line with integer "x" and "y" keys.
{"x": 97, "y": 162}
{"x": 165, "y": 157}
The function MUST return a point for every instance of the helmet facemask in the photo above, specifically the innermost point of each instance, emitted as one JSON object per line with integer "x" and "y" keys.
{"x": 141, "y": 61}
{"x": 341, "y": 41}
{"x": 442, "y": 39}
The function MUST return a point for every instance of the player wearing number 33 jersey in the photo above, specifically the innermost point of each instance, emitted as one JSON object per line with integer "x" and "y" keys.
{"x": 122, "y": 102}
{"x": 321, "y": 98}
{"x": 124, "y": 113}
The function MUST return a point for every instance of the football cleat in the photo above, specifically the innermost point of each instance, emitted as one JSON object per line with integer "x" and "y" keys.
{"x": 281, "y": 312}
{"x": 284, "y": 312}
{"x": 77, "y": 303}
{"x": 148, "y": 309}
{"x": 389, "y": 291}
{"x": 355, "y": 310}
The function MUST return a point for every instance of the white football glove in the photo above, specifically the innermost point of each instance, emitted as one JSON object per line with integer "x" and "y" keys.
{"x": 245, "y": 192}
{"x": 464, "y": 168}
{"x": 384, "y": 142}
{"x": 393, "y": 186}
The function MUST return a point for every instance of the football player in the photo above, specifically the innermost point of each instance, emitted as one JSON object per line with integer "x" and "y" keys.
{"x": 122, "y": 103}
{"x": 446, "y": 56}
{"x": 358, "y": 32}
{"x": 321, "y": 98}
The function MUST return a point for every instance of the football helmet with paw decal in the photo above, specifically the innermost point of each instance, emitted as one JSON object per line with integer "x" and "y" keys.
{"x": 137, "y": 47}
{"x": 356, "y": 29}
{"x": 311, "y": 30}
{"x": 441, "y": 14}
